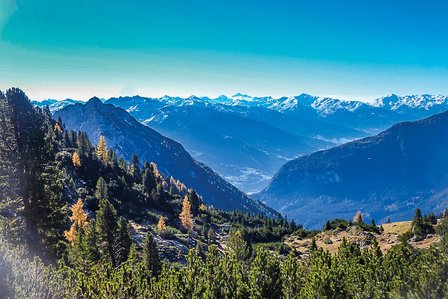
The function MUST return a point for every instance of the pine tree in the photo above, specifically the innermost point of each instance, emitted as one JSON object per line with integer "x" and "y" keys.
{"x": 417, "y": 223}
{"x": 292, "y": 276}
{"x": 195, "y": 202}
{"x": 186, "y": 218}
{"x": 106, "y": 227}
{"x": 265, "y": 276}
{"x": 84, "y": 145}
{"x": 123, "y": 242}
{"x": 101, "y": 149}
{"x": 135, "y": 160}
{"x": 30, "y": 172}
{"x": 151, "y": 259}
{"x": 91, "y": 251}
{"x": 76, "y": 160}
{"x": 84, "y": 252}
{"x": 161, "y": 225}
{"x": 238, "y": 246}
{"x": 101, "y": 190}
{"x": 113, "y": 159}
{"x": 78, "y": 219}
{"x": 149, "y": 181}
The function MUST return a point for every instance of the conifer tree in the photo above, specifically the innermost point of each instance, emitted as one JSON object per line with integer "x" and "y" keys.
{"x": 101, "y": 190}
{"x": 186, "y": 218}
{"x": 151, "y": 259}
{"x": 84, "y": 145}
{"x": 76, "y": 160}
{"x": 30, "y": 172}
{"x": 195, "y": 202}
{"x": 265, "y": 276}
{"x": 238, "y": 247}
{"x": 149, "y": 180}
{"x": 106, "y": 227}
{"x": 135, "y": 160}
{"x": 112, "y": 157}
{"x": 101, "y": 149}
{"x": 123, "y": 242}
{"x": 89, "y": 244}
{"x": 84, "y": 252}
{"x": 292, "y": 276}
{"x": 417, "y": 223}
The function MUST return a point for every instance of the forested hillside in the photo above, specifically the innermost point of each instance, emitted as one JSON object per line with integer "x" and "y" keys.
{"x": 77, "y": 221}
{"x": 128, "y": 137}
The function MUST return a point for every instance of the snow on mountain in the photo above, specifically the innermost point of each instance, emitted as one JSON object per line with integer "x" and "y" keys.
{"x": 321, "y": 105}
{"x": 55, "y": 105}
{"x": 425, "y": 102}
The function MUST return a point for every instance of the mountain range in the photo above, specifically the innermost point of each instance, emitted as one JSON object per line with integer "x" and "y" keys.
{"x": 247, "y": 139}
{"x": 127, "y": 137}
{"x": 385, "y": 176}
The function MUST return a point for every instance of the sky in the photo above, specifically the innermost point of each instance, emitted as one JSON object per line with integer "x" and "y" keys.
{"x": 348, "y": 49}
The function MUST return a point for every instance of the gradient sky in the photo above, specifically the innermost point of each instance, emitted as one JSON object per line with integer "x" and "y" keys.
{"x": 347, "y": 49}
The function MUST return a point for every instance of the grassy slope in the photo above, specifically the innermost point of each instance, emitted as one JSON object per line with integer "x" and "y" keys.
{"x": 331, "y": 240}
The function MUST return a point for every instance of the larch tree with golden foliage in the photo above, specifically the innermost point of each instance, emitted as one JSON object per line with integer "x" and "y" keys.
{"x": 76, "y": 160}
{"x": 101, "y": 149}
{"x": 78, "y": 219}
{"x": 57, "y": 128}
{"x": 358, "y": 217}
{"x": 186, "y": 217}
{"x": 161, "y": 226}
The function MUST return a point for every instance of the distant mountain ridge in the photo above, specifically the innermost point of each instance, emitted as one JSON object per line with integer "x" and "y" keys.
{"x": 247, "y": 139}
{"x": 323, "y": 105}
{"x": 387, "y": 175}
{"x": 127, "y": 137}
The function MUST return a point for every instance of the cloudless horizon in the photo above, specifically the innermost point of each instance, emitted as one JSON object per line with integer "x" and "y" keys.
{"x": 348, "y": 50}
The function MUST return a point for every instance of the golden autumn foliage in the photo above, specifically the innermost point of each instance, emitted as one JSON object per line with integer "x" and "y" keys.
{"x": 203, "y": 208}
{"x": 57, "y": 128}
{"x": 78, "y": 219}
{"x": 186, "y": 217}
{"x": 76, "y": 160}
{"x": 155, "y": 170}
{"x": 161, "y": 226}
{"x": 358, "y": 217}
{"x": 101, "y": 149}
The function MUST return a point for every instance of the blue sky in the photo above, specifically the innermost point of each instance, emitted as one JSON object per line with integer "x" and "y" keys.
{"x": 348, "y": 49}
